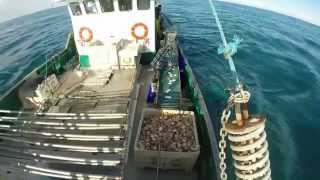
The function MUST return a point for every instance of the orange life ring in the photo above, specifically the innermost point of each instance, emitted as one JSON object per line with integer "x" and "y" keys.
{"x": 139, "y": 36}
{"x": 85, "y": 34}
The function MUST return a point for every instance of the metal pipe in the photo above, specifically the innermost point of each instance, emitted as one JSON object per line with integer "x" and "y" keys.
{"x": 73, "y": 175}
{"x": 113, "y": 147}
{"x": 65, "y": 136}
{"x": 60, "y": 118}
{"x": 66, "y": 125}
{"x": 61, "y": 159}
{"x": 85, "y": 128}
{"x": 42, "y": 145}
{"x": 62, "y": 114}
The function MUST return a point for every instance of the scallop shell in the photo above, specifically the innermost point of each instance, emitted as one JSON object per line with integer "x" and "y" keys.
{"x": 169, "y": 132}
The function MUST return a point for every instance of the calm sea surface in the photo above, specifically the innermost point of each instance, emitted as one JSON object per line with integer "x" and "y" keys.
{"x": 279, "y": 60}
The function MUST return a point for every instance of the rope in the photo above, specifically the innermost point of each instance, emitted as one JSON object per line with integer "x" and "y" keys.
{"x": 228, "y": 49}
{"x": 214, "y": 12}
{"x": 249, "y": 145}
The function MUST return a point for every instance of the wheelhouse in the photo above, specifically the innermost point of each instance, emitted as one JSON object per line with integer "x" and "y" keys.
{"x": 105, "y": 31}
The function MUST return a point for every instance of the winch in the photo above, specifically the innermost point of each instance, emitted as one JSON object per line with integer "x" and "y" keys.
{"x": 248, "y": 140}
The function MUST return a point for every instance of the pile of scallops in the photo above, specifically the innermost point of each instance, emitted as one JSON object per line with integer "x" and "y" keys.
{"x": 168, "y": 132}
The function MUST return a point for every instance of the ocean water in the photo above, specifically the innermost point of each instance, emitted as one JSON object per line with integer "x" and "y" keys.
{"x": 26, "y": 42}
{"x": 279, "y": 61}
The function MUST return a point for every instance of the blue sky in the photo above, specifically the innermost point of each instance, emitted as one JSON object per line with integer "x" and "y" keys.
{"x": 307, "y": 10}
{"x": 10, "y": 9}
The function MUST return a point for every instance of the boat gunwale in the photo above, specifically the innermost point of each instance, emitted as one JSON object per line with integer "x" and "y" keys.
{"x": 211, "y": 132}
{"x": 52, "y": 58}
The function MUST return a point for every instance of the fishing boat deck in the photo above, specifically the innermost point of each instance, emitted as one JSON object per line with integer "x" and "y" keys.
{"x": 101, "y": 92}
{"x": 89, "y": 131}
{"x": 82, "y": 134}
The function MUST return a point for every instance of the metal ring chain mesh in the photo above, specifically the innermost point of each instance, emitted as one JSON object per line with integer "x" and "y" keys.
{"x": 250, "y": 154}
{"x": 223, "y": 144}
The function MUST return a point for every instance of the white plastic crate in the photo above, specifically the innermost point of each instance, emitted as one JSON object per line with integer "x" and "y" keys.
{"x": 166, "y": 159}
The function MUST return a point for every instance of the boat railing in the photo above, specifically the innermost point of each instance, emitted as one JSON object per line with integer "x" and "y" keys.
{"x": 56, "y": 63}
{"x": 68, "y": 53}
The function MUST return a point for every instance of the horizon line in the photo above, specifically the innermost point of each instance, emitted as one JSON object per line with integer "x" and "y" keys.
{"x": 272, "y": 10}
{"x": 226, "y": 1}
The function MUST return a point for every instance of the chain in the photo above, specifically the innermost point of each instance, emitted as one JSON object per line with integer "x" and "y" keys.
{"x": 222, "y": 143}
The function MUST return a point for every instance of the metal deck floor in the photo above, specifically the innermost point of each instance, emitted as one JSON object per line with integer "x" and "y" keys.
{"x": 120, "y": 97}
{"x": 82, "y": 135}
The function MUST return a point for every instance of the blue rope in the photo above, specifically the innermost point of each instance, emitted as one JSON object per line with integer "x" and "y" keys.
{"x": 214, "y": 12}
{"x": 228, "y": 49}
{"x": 231, "y": 48}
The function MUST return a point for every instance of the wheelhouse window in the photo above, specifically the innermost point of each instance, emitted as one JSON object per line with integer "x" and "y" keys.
{"x": 125, "y": 5}
{"x": 143, "y": 4}
{"x": 106, "y": 5}
{"x": 90, "y": 6}
{"x": 75, "y": 8}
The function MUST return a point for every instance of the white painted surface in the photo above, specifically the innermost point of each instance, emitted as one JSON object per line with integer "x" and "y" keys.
{"x": 111, "y": 27}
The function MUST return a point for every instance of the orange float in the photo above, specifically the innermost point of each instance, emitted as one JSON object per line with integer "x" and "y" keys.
{"x": 86, "y": 34}
{"x": 139, "y": 36}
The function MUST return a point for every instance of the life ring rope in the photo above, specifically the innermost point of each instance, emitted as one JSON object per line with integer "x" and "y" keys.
{"x": 83, "y": 36}
{"x": 139, "y": 36}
